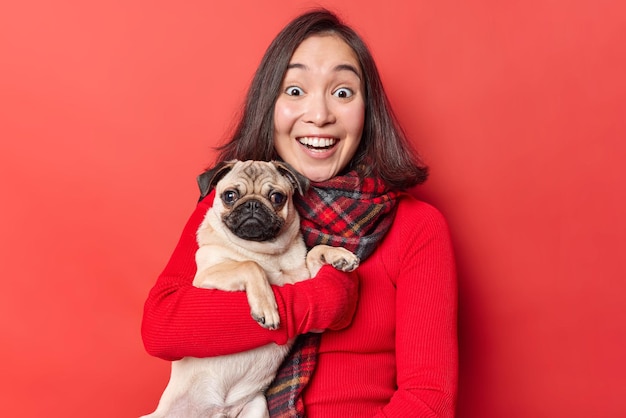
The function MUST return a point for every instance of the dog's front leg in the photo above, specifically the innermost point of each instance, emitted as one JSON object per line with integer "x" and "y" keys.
{"x": 248, "y": 276}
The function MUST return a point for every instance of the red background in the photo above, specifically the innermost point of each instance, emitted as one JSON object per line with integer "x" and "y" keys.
{"x": 108, "y": 111}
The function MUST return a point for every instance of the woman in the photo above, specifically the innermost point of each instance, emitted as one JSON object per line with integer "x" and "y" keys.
{"x": 390, "y": 345}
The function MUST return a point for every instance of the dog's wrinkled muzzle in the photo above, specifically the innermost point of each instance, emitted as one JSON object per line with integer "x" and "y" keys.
{"x": 254, "y": 221}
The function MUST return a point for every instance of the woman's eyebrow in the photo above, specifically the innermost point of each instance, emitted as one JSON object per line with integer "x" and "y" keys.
{"x": 297, "y": 65}
{"x": 338, "y": 68}
{"x": 348, "y": 67}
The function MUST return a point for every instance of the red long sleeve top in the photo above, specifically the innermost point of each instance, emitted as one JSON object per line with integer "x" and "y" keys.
{"x": 398, "y": 356}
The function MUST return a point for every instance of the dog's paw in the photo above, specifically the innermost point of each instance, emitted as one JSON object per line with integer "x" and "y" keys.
{"x": 269, "y": 320}
{"x": 264, "y": 310}
{"x": 346, "y": 264}
{"x": 341, "y": 259}
{"x": 338, "y": 257}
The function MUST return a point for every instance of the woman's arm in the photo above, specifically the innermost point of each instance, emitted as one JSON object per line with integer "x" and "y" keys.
{"x": 181, "y": 320}
{"x": 426, "y": 320}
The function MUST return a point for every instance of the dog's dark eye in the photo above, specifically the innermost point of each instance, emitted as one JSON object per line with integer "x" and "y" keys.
{"x": 277, "y": 198}
{"x": 230, "y": 196}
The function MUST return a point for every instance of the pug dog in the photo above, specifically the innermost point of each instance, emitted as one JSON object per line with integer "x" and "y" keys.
{"x": 248, "y": 240}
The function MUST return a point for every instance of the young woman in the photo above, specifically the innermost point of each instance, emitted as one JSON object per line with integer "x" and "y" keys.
{"x": 390, "y": 344}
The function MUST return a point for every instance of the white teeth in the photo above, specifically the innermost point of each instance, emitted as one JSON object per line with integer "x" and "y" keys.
{"x": 317, "y": 142}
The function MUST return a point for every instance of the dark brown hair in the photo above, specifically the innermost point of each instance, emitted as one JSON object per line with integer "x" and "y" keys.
{"x": 384, "y": 150}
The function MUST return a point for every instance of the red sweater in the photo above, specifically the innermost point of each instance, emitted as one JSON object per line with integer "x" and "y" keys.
{"x": 397, "y": 358}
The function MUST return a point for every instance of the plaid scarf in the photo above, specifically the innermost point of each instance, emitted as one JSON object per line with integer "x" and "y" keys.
{"x": 348, "y": 212}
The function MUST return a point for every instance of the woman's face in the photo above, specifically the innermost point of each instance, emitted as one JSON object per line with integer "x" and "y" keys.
{"x": 319, "y": 113}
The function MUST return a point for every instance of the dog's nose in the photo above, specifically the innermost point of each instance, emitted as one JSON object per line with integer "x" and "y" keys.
{"x": 252, "y": 205}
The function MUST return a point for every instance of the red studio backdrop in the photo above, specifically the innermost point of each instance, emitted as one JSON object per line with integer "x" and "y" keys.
{"x": 109, "y": 110}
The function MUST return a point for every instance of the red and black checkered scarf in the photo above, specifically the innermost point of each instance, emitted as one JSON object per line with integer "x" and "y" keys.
{"x": 345, "y": 211}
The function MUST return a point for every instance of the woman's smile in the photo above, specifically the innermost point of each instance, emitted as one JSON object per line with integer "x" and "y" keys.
{"x": 317, "y": 143}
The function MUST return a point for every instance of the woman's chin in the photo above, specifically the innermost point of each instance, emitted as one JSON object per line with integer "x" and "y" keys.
{"x": 319, "y": 175}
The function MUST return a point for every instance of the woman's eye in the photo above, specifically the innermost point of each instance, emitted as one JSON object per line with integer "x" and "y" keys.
{"x": 277, "y": 198}
{"x": 230, "y": 196}
{"x": 343, "y": 93}
{"x": 294, "y": 91}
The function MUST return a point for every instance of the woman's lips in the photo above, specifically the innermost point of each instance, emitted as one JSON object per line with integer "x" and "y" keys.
{"x": 316, "y": 142}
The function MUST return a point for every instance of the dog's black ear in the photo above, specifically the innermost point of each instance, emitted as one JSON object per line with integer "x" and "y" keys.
{"x": 300, "y": 183}
{"x": 208, "y": 179}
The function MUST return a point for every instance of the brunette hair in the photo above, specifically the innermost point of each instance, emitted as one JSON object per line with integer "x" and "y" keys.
{"x": 384, "y": 150}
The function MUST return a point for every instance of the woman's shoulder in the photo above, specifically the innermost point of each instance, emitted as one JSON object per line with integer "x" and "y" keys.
{"x": 419, "y": 231}
{"x": 414, "y": 212}
{"x": 417, "y": 221}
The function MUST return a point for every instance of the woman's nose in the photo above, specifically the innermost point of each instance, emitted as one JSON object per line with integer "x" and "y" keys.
{"x": 318, "y": 111}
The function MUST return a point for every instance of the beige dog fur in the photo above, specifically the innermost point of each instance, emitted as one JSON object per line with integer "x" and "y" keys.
{"x": 256, "y": 198}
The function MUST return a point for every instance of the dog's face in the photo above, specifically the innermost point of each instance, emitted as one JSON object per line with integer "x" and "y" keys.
{"x": 254, "y": 198}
